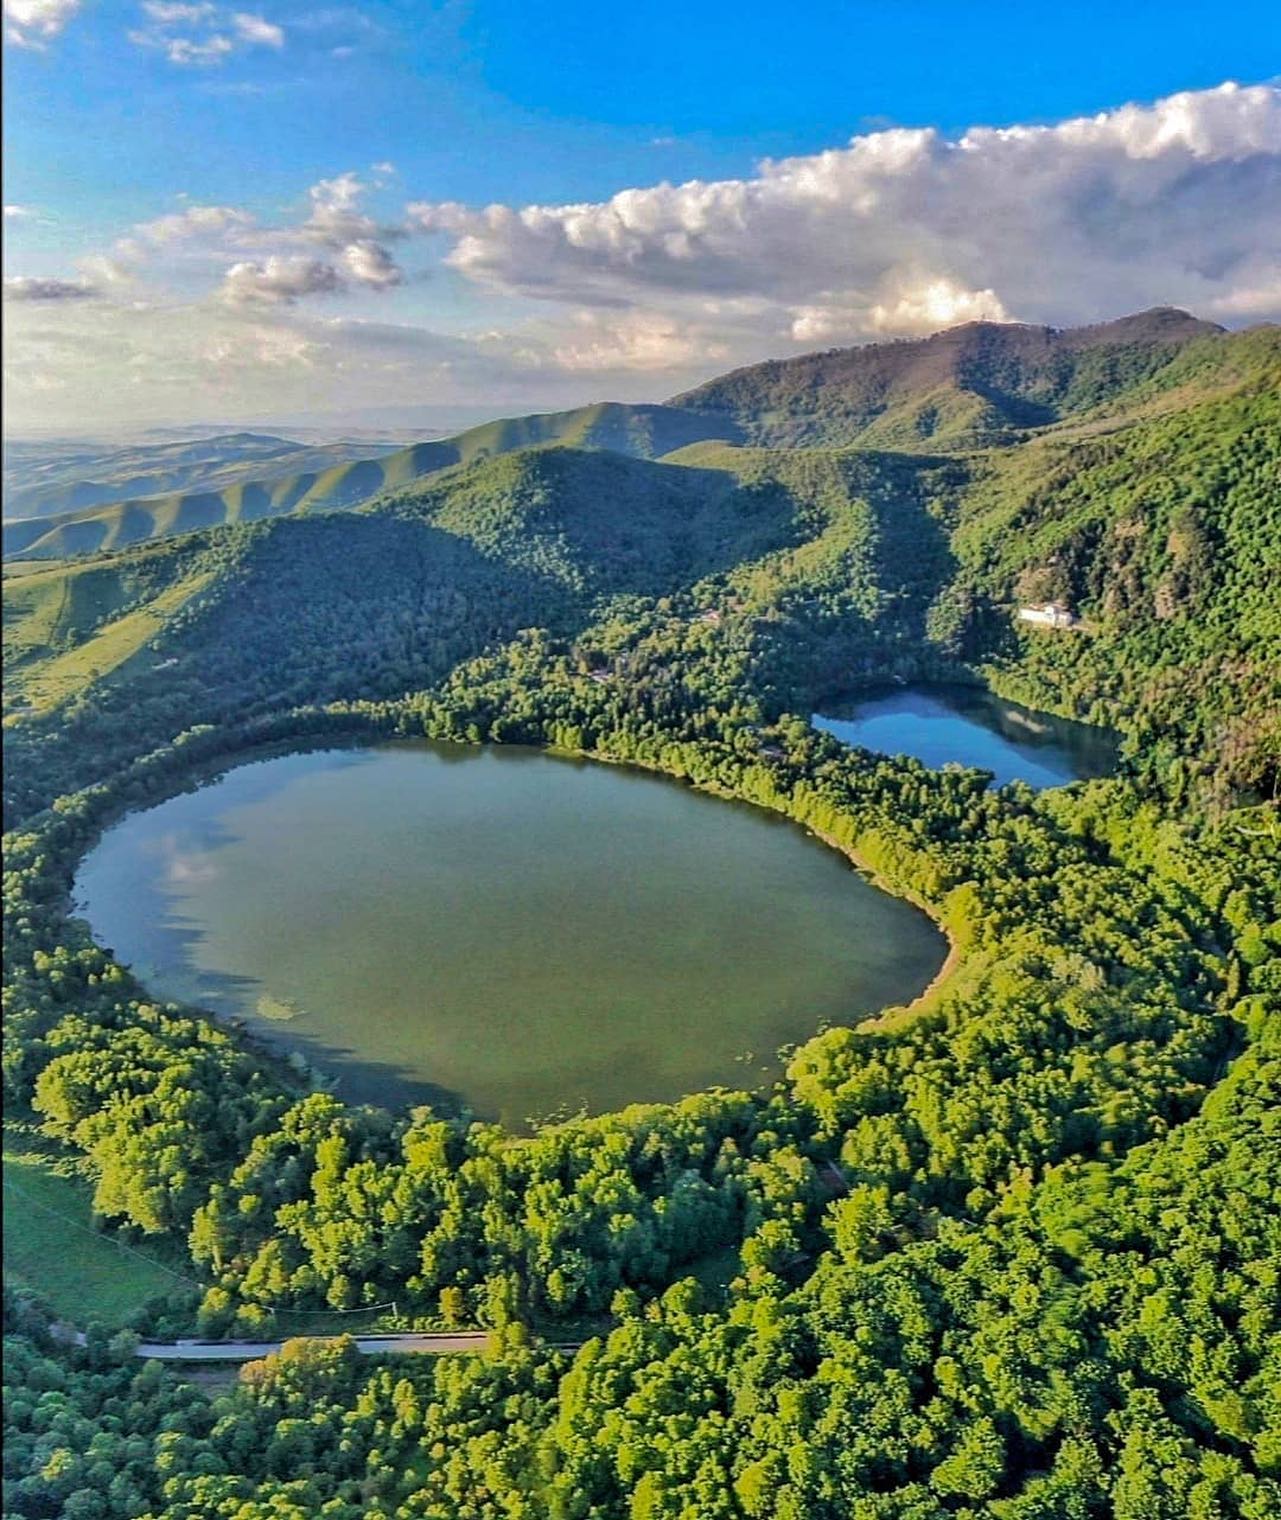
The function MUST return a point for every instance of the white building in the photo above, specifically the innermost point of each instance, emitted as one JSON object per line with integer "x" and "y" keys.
{"x": 1048, "y": 615}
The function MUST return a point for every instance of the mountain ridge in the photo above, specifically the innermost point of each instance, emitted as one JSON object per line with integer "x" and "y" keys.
{"x": 988, "y": 379}
{"x": 978, "y": 385}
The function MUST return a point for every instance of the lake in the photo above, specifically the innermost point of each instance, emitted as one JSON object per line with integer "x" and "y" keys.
{"x": 497, "y": 928}
{"x": 971, "y": 726}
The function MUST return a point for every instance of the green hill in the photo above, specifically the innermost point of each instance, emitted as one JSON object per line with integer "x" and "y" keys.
{"x": 976, "y": 386}
{"x": 981, "y": 383}
{"x": 643, "y": 431}
{"x": 1153, "y": 516}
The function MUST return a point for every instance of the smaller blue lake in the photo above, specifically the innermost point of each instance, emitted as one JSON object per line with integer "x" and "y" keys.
{"x": 968, "y": 725}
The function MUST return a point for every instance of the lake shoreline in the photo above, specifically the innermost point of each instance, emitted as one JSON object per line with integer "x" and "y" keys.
{"x": 951, "y": 961}
{"x": 788, "y": 999}
{"x": 950, "y": 723}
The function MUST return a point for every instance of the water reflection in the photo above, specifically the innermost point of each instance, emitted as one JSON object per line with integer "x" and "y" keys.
{"x": 497, "y": 928}
{"x": 968, "y": 725}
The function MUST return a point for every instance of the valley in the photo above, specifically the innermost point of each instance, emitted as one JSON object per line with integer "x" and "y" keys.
{"x": 365, "y": 763}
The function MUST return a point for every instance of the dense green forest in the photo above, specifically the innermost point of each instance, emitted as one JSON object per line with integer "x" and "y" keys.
{"x": 1015, "y": 1253}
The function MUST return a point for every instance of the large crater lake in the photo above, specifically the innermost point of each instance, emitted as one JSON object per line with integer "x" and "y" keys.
{"x": 496, "y": 928}
{"x": 969, "y": 725}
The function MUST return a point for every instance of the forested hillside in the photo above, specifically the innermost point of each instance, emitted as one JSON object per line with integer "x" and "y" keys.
{"x": 1014, "y": 1253}
{"x": 1156, "y": 521}
{"x": 981, "y": 383}
{"x": 969, "y": 387}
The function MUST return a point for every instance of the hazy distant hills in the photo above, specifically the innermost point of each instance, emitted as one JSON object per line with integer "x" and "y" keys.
{"x": 333, "y": 478}
{"x": 984, "y": 385}
{"x": 45, "y": 480}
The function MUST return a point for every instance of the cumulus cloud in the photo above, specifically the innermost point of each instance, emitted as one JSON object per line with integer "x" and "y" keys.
{"x": 639, "y": 341}
{"x": 911, "y": 303}
{"x": 202, "y": 34}
{"x": 34, "y": 288}
{"x": 285, "y": 279}
{"x": 32, "y": 23}
{"x": 896, "y": 233}
{"x": 368, "y": 263}
{"x": 194, "y": 221}
{"x": 268, "y": 263}
{"x": 903, "y": 229}
{"x": 278, "y": 281}
{"x": 336, "y": 217}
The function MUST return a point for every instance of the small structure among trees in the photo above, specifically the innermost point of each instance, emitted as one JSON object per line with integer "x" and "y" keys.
{"x": 1048, "y": 615}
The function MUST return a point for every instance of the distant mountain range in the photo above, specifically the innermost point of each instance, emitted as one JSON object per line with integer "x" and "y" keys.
{"x": 1131, "y": 471}
{"x": 976, "y": 386}
{"x": 46, "y": 480}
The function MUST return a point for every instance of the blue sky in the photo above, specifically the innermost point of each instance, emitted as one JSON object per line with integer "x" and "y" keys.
{"x": 119, "y": 115}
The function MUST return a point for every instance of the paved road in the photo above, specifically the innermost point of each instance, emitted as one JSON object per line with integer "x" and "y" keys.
{"x": 367, "y": 1345}
{"x": 432, "y": 1343}
{"x": 252, "y": 1351}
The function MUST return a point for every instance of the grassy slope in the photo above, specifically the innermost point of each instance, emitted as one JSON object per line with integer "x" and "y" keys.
{"x": 50, "y": 1243}
{"x": 68, "y": 625}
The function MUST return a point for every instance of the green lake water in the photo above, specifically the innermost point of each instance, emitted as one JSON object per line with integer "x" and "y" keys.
{"x": 968, "y": 725}
{"x": 498, "y": 928}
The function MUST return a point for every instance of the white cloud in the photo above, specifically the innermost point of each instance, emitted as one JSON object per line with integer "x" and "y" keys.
{"x": 1257, "y": 298}
{"x": 254, "y": 29}
{"x": 285, "y": 279}
{"x": 67, "y": 365}
{"x": 193, "y": 245}
{"x": 639, "y": 341}
{"x": 18, "y": 213}
{"x": 194, "y": 221}
{"x": 176, "y": 14}
{"x": 278, "y": 281}
{"x": 186, "y": 52}
{"x": 31, "y": 23}
{"x": 910, "y": 303}
{"x": 336, "y": 218}
{"x": 35, "y": 288}
{"x": 202, "y": 34}
{"x": 105, "y": 270}
{"x": 213, "y": 308}
{"x": 368, "y": 263}
{"x": 904, "y": 229}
